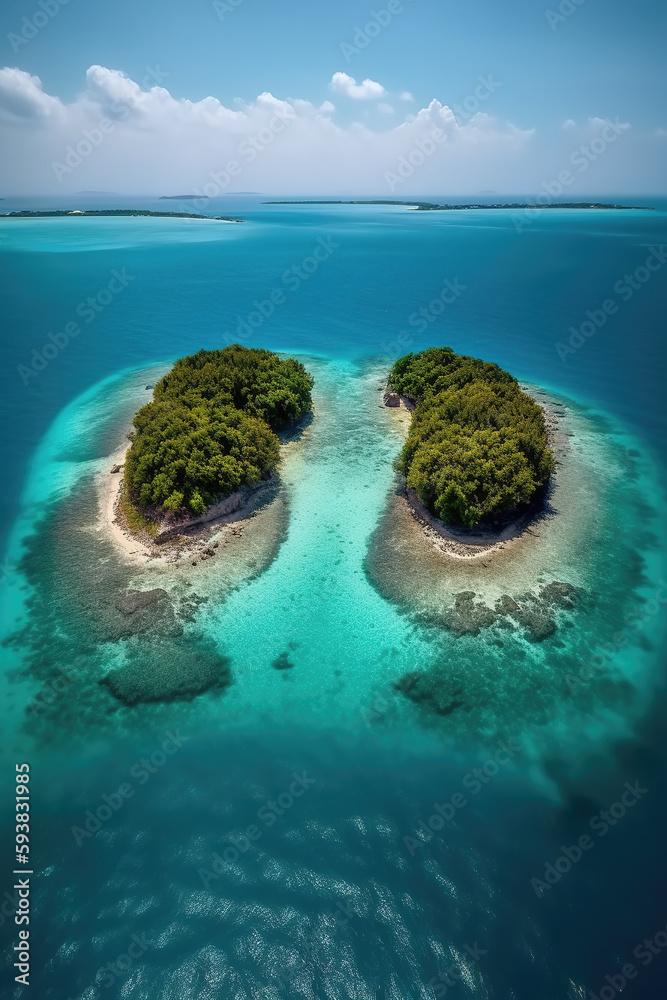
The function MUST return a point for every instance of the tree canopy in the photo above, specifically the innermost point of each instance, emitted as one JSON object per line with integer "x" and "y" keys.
{"x": 211, "y": 426}
{"x": 477, "y": 444}
{"x": 259, "y": 382}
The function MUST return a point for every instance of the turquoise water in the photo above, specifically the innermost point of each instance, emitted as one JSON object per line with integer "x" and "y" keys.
{"x": 352, "y": 616}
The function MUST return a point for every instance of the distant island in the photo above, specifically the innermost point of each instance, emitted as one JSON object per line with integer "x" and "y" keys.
{"x": 203, "y": 197}
{"x": 477, "y": 447}
{"x": 429, "y": 206}
{"x": 118, "y": 212}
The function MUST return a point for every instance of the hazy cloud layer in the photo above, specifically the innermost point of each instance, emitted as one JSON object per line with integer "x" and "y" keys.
{"x": 136, "y": 138}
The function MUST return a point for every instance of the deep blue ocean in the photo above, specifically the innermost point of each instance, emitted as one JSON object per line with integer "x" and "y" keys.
{"x": 312, "y": 833}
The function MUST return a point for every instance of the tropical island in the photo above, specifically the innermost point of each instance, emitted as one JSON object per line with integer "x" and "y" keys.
{"x": 429, "y": 206}
{"x": 482, "y": 462}
{"x": 477, "y": 448}
{"x": 117, "y": 212}
{"x": 210, "y": 430}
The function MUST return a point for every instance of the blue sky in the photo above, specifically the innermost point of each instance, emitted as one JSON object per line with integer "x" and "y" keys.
{"x": 597, "y": 59}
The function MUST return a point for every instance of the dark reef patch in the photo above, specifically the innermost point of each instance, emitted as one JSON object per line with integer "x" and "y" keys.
{"x": 418, "y": 687}
{"x": 467, "y": 616}
{"x": 168, "y": 671}
{"x": 282, "y": 662}
{"x": 535, "y": 613}
{"x": 81, "y": 610}
{"x": 141, "y": 611}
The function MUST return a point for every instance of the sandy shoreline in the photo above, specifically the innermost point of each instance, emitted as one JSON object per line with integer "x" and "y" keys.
{"x": 108, "y": 487}
{"x": 463, "y": 544}
{"x": 197, "y": 539}
{"x": 192, "y": 542}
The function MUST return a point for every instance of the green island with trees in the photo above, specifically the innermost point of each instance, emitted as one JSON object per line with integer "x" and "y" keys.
{"x": 211, "y": 427}
{"x": 430, "y": 206}
{"x": 477, "y": 445}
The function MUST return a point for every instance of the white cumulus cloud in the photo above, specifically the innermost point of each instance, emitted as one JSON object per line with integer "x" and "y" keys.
{"x": 366, "y": 91}
{"x": 22, "y": 97}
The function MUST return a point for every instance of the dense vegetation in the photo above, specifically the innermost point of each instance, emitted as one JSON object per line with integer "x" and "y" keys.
{"x": 262, "y": 384}
{"x": 211, "y": 426}
{"x": 477, "y": 444}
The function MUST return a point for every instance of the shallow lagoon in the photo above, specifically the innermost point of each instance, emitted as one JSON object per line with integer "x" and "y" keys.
{"x": 330, "y": 578}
